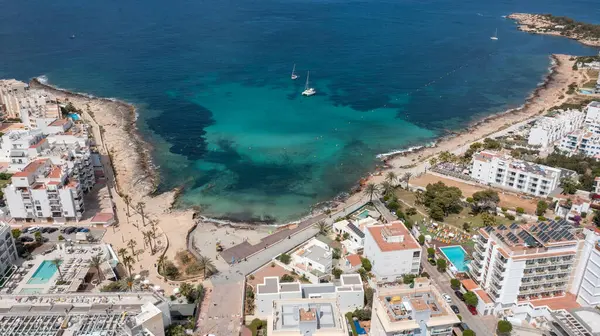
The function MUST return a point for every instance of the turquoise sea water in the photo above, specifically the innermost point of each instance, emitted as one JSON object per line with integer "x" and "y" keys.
{"x": 456, "y": 255}
{"x": 211, "y": 80}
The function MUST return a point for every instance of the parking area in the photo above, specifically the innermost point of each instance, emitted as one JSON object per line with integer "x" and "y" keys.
{"x": 68, "y": 232}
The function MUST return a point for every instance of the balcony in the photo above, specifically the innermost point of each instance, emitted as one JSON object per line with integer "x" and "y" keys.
{"x": 500, "y": 269}
{"x": 479, "y": 249}
{"x": 498, "y": 277}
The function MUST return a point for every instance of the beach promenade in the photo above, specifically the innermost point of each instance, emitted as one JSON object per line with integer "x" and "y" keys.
{"x": 226, "y": 289}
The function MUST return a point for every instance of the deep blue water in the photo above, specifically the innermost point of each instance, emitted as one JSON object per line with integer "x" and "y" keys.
{"x": 211, "y": 79}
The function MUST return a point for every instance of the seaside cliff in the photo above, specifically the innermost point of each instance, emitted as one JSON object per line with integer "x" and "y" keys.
{"x": 548, "y": 24}
{"x": 129, "y": 153}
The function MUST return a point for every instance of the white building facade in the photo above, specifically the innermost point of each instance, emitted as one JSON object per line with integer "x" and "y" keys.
{"x": 392, "y": 250}
{"x": 495, "y": 169}
{"x": 44, "y": 191}
{"x": 411, "y": 311}
{"x": 547, "y": 130}
{"x": 8, "y": 251}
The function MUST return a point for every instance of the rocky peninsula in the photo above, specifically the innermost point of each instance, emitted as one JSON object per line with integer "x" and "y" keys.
{"x": 548, "y": 24}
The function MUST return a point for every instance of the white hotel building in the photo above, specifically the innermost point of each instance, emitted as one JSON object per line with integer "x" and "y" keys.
{"x": 401, "y": 310}
{"x": 44, "y": 191}
{"x": 496, "y": 169}
{"x": 392, "y": 250}
{"x": 8, "y": 251}
{"x": 532, "y": 270}
{"x": 547, "y": 130}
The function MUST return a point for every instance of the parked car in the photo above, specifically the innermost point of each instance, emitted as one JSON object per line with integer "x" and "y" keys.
{"x": 85, "y": 230}
{"x": 45, "y": 229}
{"x": 447, "y": 297}
{"x": 33, "y": 229}
{"x": 473, "y": 310}
{"x": 459, "y": 295}
{"x": 81, "y": 229}
{"x": 52, "y": 229}
{"x": 455, "y": 309}
{"x": 70, "y": 230}
{"x": 431, "y": 261}
{"x": 463, "y": 326}
{"x": 26, "y": 239}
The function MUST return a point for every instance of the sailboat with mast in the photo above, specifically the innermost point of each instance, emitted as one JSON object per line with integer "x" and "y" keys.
{"x": 308, "y": 91}
{"x": 495, "y": 37}
{"x": 294, "y": 76}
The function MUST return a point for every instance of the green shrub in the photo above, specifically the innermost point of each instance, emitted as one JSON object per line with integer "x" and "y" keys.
{"x": 520, "y": 210}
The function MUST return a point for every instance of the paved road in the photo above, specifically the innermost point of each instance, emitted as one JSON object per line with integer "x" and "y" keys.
{"x": 53, "y": 237}
{"x": 475, "y": 322}
{"x": 223, "y": 318}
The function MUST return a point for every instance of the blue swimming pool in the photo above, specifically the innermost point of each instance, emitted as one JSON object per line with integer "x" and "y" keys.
{"x": 359, "y": 330}
{"x": 43, "y": 273}
{"x": 456, "y": 255}
{"x": 74, "y": 116}
{"x": 363, "y": 214}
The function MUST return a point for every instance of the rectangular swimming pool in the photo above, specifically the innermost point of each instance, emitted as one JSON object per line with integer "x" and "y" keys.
{"x": 456, "y": 255}
{"x": 43, "y": 273}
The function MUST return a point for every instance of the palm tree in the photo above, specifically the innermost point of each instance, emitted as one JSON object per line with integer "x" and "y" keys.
{"x": 148, "y": 238}
{"x": 391, "y": 177}
{"x": 185, "y": 289}
{"x": 131, "y": 244}
{"x": 207, "y": 266}
{"x": 122, "y": 252}
{"x": 386, "y": 188}
{"x": 56, "y": 262}
{"x": 322, "y": 227}
{"x": 130, "y": 281}
{"x": 128, "y": 261}
{"x": 371, "y": 190}
{"x": 445, "y": 156}
{"x": 96, "y": 262}
{"x": 406, "y": 178}
{"x": 127, "y": 200}
{"x": 433, "y": 161}
{"x": 161, "y": 263}
{"x": 141, "y": 206}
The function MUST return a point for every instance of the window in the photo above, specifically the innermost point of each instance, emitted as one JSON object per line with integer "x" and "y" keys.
{"x": 416, "y": 254}
{"x": 38, "y": 208}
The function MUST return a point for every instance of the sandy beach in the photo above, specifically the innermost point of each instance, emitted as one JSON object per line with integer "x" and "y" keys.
{"x": 552, "y": 92}
{"x": 539, "y": 24}
{"x": 136, "y": 177}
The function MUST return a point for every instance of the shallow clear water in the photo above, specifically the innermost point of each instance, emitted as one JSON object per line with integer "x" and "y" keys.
{"x": 212, "y": 82}
{"x": 43, "y": 273}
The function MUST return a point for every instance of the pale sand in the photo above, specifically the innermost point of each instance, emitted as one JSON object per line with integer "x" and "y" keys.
{"x": 538, "y": 24}
{"x": 114, "y": 123}
{"x": 551, "y": 94}
{"x": 136, "y": 178}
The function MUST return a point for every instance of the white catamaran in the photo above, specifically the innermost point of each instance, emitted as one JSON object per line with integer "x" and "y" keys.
{"x": 294, "y": 76}
{"x": 495, "y": 37}
{"x": 308, "y": 91}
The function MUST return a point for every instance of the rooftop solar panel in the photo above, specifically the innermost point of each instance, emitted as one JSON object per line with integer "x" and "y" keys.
{"x": 502, "y": 227}
{"x": 514, "y": 226}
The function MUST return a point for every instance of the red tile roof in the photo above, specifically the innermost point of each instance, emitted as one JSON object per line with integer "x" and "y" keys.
{"x": 469, "y": 284}
{"x": 36, "y": 145}
{"x": 353, "y": 259}
{"x": 483, "y": 296}
{"x": 392, "y": 230}
{"x": 31, "y": 168}
{"x": 59, "y": 122}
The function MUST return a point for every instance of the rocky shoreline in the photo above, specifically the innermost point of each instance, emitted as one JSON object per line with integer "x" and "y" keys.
{"x": 130, "y": 154}
{"x": 547, "y": 24}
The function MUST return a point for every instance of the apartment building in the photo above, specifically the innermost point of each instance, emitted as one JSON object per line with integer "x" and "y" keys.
{"x": 348, "y": 293}
{"x": 306, "y": 317}
{"x": 33, "y": 107}
{"x": 314, "y": 260}
{"x": 576, "y": 322}
{"x": 581, "y": 142}
{"x": 401, "y": 310}
{"x": 17, "y": 147}
{"x": 44, "y": 190}
{"x": 118, "y": 314}
{"x": 497, "y": 169}
{"x": 526, "y": 263}
{"x": 547, "y": 130}
{"x": 392, "y": 250}
{"x": 572, "y": 207}
{"x": 8, "y": 251}
{"x": 587, "y": 273}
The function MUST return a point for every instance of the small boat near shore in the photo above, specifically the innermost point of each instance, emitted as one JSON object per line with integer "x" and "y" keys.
{"x": 294, "y": 76}
{"x": 308, "y": 91}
